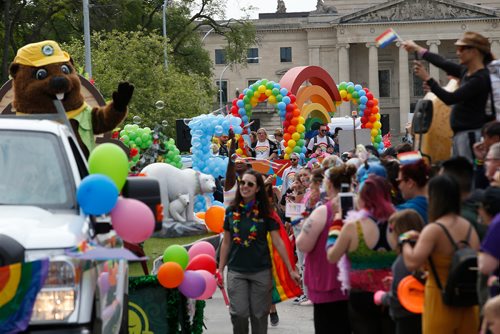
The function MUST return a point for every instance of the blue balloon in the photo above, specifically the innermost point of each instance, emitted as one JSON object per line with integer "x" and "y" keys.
{"x": 237, "y": 130}
{"x": 286, "y": 99}
{"x": 358, "y": 87}
{"x": 218, "y": 203}
{"x": 97, "y": 194}
{"x": 240, "y": 104}
{"x": 363, "y": 99}
{"x": 218, "y": 130}
{"x": 362, "y": 106}
{"x": 281, "y": 105}
{"x": 283, "y": 91}
{"x": 362, "y": 92}
{"x": 244, "y": 118}
{"x": 242, "y": 112}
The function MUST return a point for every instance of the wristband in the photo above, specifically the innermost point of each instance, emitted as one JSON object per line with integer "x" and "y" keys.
{"x": 403, "y": 237}
{"x": 478, "y": 162}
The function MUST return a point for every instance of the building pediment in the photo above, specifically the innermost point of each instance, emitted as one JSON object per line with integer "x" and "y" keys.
{"x": 418, "y": 10}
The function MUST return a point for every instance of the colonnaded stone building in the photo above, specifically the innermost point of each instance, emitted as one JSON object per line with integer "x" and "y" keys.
{"x": 340, "y": 37}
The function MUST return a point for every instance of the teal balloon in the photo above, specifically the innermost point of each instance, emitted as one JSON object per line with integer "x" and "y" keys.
{"x": 178, "y": 254}
{"x": 110, "y": 160}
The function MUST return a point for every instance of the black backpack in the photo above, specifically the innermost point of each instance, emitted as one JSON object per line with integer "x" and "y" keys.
{"x": 460, "y": 289}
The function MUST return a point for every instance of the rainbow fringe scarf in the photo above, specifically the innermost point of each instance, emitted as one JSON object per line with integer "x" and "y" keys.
{"x": 284, "y": 287}
{"x": 19, "y": 286}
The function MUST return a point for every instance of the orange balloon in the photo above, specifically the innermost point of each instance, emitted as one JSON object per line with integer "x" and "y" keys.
{"x": 200, "y": 214}
{"x": 295, "y": 121}
{"x": 214, "y": 218}
{"x": 287, "y": 136}
{"x": 296, "y": 113}
{"x": 291, "y": 129}
{"x": 170, "y": 275}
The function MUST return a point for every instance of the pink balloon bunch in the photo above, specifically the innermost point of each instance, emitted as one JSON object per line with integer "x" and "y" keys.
{"x": 199, "y": 281}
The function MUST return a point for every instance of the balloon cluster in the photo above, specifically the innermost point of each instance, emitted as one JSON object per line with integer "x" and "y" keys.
{"x": 148, "y": 146}
{"x": 203, "y": 128}
{"x": 367, "y": 107}
{"x": 284, "y": 102}
{"x": 192, "y": 272}
{"x": 98, "y": 192}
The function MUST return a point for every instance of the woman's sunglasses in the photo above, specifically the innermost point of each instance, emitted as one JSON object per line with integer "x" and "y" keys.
{"x": 248, "y": 183}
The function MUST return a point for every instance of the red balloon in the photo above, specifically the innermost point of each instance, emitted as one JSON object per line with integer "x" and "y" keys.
{"x": 286, "y": 124}
{"x": 369, "y": 104}
{"x": 369, "y": 96}
{"x": 234, "y": 110}
{"x": 364, "y": 119}
{"x": 288, "y": 116}
{"x": 262, "y": 97}
{"x": 293, "y": 98}
{"x": 242, "y": 96}
{"x": 202, "y": 262}
{"x": 290, "y": 107}
{"x": 287, "y": 137}
{"x": 234, "y": 102}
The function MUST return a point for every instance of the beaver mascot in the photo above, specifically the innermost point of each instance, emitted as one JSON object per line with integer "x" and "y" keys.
{"x": 42, "y": 72}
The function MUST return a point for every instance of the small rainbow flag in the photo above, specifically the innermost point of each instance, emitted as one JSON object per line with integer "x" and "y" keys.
{"x": 284, "y": 287}
{"x": 19, "y": 286}
{"x": 410, "y": 157}
{"x": 386, "y": 38}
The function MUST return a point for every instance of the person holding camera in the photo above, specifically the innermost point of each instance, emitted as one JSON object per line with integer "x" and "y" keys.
{"x": 469, "y": 101}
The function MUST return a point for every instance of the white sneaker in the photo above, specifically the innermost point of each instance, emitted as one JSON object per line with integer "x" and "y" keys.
{"x": 299, "y": 300}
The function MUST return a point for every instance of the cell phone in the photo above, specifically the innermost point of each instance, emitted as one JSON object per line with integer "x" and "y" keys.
{"x": 346, "y": 203}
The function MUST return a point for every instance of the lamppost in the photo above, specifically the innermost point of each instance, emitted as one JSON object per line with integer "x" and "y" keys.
{"x": 86, "y": 37}
{"x": 220, "y": 79}
{"x": 165, "y": 31}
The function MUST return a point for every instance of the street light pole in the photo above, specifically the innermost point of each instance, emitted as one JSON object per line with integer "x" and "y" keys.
{"x": 164, "y": 32}
{"x": 208, "y": 33}
{"x": 86, "y": 34}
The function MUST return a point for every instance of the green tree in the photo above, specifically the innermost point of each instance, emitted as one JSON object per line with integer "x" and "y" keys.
{"x": 137, "y": 57}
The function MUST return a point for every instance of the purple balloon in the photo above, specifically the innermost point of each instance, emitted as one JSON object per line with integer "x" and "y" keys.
{"x": 193, "y": 284}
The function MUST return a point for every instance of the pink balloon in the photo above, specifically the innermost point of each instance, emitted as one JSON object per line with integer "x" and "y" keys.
{"x": 210, "y": 285}
{"x": 201, "y": 247}
{"x": 132, "y": 220}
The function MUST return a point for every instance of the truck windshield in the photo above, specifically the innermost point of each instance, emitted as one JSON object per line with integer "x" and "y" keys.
{"x": 34, "y": 171}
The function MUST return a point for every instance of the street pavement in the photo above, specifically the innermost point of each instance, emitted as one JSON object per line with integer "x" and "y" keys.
{"x": 293, "y": 318}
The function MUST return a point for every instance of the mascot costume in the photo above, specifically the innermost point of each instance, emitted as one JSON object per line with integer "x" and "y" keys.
{"x": 42, "y": 72}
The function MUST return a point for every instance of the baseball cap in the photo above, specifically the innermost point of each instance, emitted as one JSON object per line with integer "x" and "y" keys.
{"x": 490, "y": 198}
{"x": 40, "y": 54}
{"x": 475, "y": 40}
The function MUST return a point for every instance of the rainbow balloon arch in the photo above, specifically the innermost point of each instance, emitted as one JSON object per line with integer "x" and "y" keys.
{"x": 297, "y": 104}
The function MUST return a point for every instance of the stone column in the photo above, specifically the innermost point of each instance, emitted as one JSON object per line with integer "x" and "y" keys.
{"x": 344, "y": 74}
{"x": 433, "y": 47}
{"x": 495, "y": 47}
{"x": 373, "y": 83}
{"x": 404, "y": 88}
{"x": 314, "y": 56}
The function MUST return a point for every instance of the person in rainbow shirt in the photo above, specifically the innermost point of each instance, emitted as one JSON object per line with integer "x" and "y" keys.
{"x": 263, "y": 148}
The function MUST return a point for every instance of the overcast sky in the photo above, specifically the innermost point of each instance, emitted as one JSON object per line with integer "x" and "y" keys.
{"x": 267, "y": 6}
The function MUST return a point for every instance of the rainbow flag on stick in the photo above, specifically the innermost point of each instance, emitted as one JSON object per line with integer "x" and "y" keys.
{"x": 284, "y": 287}
{"x": 19, "y": 286}
{"x": 386, "y": 38}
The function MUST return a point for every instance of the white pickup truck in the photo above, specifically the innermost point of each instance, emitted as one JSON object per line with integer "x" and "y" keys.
{"x": 41, "y": 167}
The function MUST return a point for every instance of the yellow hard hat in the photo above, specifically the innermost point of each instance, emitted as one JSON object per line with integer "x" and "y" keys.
{"x": 40, "y": 54}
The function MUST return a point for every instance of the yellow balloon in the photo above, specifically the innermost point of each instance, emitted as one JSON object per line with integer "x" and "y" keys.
{"x": 349, "y": 96}
{"x": 269, "y": 92}
{"x": 292, "y": 143}
{"x": 295, "y": 136}
{"x": 239, "y": 151}
{"x": 256, "y": 94}
{"x": 377, "y": 125}
{"x": 343, "y": 94}
{"x": 262, "y": 89}
{"x": 377, "y": 115}
{"x": 374, "y": 132}
{"x": 287, "y": 157}
{"x": 301, "y": 120}
{"x": 272, "y": 99}
{"x": 300, "y": 128}
{"x": 288, "y": 150}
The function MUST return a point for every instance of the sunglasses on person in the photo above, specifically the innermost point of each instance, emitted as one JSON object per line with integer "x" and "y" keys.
{"x": 323, "y": 130}
{"x": 247, "y": 183}
{"x": 293, "y": 159}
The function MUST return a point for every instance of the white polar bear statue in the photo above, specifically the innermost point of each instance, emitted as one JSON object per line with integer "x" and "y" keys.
{"x": 177, "y": 208}
{"x": 174, "y": 181}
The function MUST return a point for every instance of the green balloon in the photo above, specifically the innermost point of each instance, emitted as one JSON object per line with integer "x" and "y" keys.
{"x": 138, "y": 141}
{"x": 178, "y": 254}
{"x": 110, "y": 160}
{"x": 125, "y": 139}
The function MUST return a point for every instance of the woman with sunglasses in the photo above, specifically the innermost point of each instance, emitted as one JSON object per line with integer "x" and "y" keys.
{"x": 469, "y": 101}
{"x": 245, "y": 251}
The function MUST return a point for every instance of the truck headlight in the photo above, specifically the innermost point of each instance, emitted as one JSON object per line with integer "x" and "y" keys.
{"x": 56, "y": 300}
